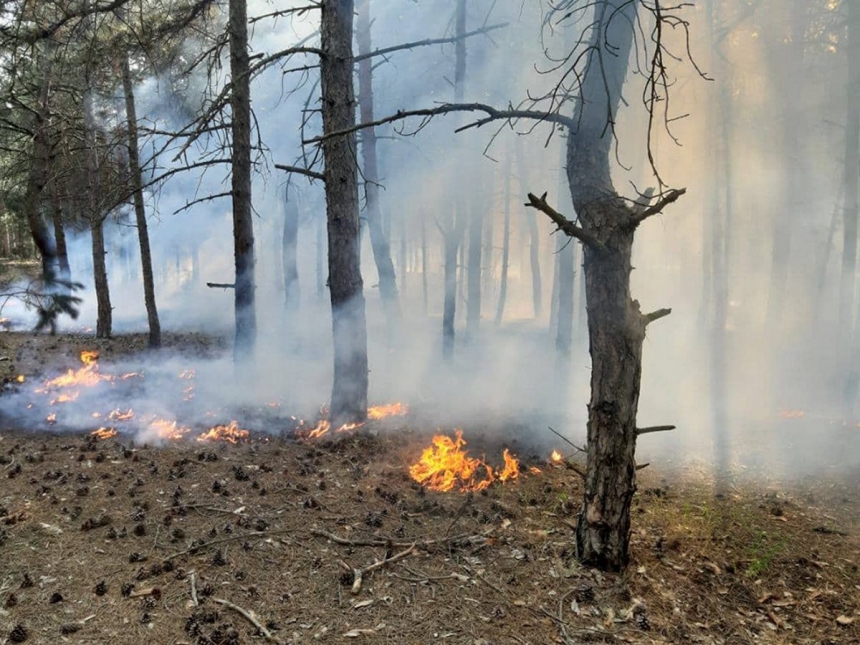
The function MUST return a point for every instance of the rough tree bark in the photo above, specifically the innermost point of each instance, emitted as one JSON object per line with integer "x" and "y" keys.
{"x": 452, "y": 231}
{"x": 349, "y": 391}
{"x": 140, "y": 208}
{"x": 59, "y": 226}
{"x": 38, "y": 178}
{"x": 379, "y": 241}
{"x": 243, "y": 223}
{"x": 289, "y": 251}
{"x": 615, "y": 323}
{"x": 96, "y": 217}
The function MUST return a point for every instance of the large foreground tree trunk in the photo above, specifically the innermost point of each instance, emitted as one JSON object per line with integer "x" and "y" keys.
{"x": 349, "y": 391}
{"x": 140, "y": 208}
{"x": 243, "y": 223}
{"x": 616, "y": 325}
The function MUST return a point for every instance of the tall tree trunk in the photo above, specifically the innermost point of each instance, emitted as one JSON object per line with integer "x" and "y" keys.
{"x": 564, "y": 280}
{"x": 850, "y": 328}
{"x": 96, "y": 217}
{"x": 322, "y": 259}
{"x": 452, "y": 231}
{"x": 615, "y": 323}
{"x": 473, "y": 276}
{"x": 534, "y": 238}
{"x": 34, "y": 197}
{"x": 349, "y": 391}
{"x": 379, "y": 242}
{"x": 104, "y": 322}
{"x": 65, "y": 270}
{"x": 851, "y": 175}
{"x": 289, "y": 252}
{"x": 452, "y": 235}
{"x": 424, "y": 263}
{"x": 243, "y": 223}
{"x": 460, "y": 51}
{"x": 787, "y": 58}
{"x": 140, "y": 208}
{"x": 506, "y": 247}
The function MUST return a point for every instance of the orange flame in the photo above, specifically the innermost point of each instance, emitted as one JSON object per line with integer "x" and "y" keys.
{"x": 231, "y": 433}
{"x": 792, "y": 414}
{"x": 165, "y": 429}
{"x": 377, "y": 412}
{"x": 556, "y": 457}
{"x": 119, "y": 415}
{"x": 104, "y": 433}
{"x": 89, "y": 356}
{"x": 20, "y": 378}
{"x": 51, "y": 418}
{"x": 445, "y": 465}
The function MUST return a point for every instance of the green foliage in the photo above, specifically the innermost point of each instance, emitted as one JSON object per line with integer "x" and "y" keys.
{"x": 763, "y": 550}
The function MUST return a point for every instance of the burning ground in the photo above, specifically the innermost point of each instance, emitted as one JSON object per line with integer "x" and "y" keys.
{"x": 339, "y": 539}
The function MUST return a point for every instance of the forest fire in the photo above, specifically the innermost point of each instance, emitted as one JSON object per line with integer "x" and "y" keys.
{"x": 86, "y": 376}
{"x": 104, "y": 433}
{"x": 556, "y": 457}
{"x": 445, "y": 465}
{"x": 792, "y": 414}
{"x": 376, "y": 412}
{"x": 230, "y": 433}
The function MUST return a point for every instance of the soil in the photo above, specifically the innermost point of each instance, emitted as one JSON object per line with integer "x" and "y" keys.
{"x": 103, "y": 541}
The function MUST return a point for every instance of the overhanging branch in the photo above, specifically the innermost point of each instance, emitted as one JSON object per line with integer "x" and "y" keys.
{"x": 301, "y": 171}
{"x": 492, "y": 115}
{"x": 647, "y": 319}
{"x": 565, "y": 225}
{"x": 428, "y": 41}
{"x": 665, "y": 200}
{"x": 649, "y": 430}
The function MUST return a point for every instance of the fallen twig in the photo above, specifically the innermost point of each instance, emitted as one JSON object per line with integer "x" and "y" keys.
{"x": 193, "y": 582}
{"x": 232, "y": 538}
{"x": 421, "y": 544}
{"x": 250, "y": 617}
{"x": 358, "y": 574}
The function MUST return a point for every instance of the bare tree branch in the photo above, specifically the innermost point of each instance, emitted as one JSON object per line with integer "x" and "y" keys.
{"x": 647, "y": 319}
{"x": 492, "y": 115}
{"x": 301, "y": 171}
{"x": 564, "y": 224}
{"x": 641, "y": 431}
{"x": 429, "y": 41}
{"x": 665, "y": 200}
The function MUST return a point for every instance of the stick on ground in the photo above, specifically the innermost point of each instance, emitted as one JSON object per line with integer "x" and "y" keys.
{"x": 250, "y": 617}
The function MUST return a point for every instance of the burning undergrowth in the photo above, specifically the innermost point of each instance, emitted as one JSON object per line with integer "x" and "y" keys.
{"x": 159, "y": 403}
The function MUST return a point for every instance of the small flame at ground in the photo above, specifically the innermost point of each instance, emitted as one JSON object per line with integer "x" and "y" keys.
{"x": 792, "y": 414}
{"x": 446, "y": 465}
{"x": 165, "y": 429}
{"x": 377, "y": 412}
{"x": 104, "y": 433}
{"x": 119, "y": 415}
{"x": 231, "y": 433}
{"x": 20, "y": 378}
{"x": 556, "y": 457}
